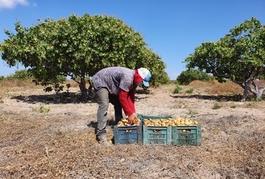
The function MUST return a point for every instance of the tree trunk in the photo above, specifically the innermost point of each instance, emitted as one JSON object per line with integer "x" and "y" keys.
{"x": 246, "y": 89}
{"x": 82, "y": 86}
{"x": 259, "y": 95}
{"x": 245, "y": 94}
{"x": 90, "y": 91}
{"x": 257, "y": 88}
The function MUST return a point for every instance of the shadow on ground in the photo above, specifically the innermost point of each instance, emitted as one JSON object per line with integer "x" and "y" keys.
{"x": 61, "y": 98}
{"x": 94, "y": 124}
{"x": 211, "y": 97}
{"x": 64, "y": 98}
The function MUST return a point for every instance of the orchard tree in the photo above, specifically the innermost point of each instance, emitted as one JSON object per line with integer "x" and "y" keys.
{"x": 78, "y": 47}
{"x": 154, "y": 63}
{"x": 190, "y": 75}
{"x": 238, "y": 56}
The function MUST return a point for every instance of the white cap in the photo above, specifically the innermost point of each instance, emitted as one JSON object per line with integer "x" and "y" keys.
{"x": 145, "y": 75}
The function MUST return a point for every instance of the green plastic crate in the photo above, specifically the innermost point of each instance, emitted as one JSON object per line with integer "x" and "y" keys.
{"x": 156, "y": 134}
{"x": 186, "y": 135}
{"x": 128, "y": 135}
{"x": 142, "y": 117}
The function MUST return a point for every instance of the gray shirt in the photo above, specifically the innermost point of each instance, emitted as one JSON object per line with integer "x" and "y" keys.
{"x": 114, "y": 79}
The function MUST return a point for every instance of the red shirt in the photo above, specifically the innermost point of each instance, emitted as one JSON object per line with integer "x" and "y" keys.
{"x": 127, "y": 98}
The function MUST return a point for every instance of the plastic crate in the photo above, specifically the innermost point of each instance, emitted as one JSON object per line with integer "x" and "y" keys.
{"x": 156, "y": 134}
{"x": 128, "y": 134}
{"x": 186, "y": 135}
{"x": 142, "y": 117}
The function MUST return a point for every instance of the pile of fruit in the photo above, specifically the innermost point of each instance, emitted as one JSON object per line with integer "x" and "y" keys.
{"x": 178, "y": 121}
{"x": 124, "y": 122}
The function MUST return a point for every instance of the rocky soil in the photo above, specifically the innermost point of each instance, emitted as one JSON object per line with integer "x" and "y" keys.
{"x": 49, "y": 136}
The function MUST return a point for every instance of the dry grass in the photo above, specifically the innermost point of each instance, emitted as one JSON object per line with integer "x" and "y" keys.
{"x": 213, "y": 87}
{"x": 56, "y": 145}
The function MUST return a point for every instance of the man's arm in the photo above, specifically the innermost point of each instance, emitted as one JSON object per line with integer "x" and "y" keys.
{"x": 127, "y": 103}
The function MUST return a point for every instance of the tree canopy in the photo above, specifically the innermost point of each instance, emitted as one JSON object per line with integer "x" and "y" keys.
{"x": 238, "y": 56}
{"x": 190, "y": 75}
{"x": 79, "y": 47}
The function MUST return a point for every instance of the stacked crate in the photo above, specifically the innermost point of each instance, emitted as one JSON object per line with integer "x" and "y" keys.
{"x": 128, "y": 134}
{"x": 156, "y": 134}
{"x": 142, "y": 134}
{"x": 186, "y": 135}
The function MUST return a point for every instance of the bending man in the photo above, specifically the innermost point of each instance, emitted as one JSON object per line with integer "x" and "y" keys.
{"x": 117, "y": 85}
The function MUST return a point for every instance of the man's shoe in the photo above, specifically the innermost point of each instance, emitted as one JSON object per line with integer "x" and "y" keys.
{"x": 105, "y": 142}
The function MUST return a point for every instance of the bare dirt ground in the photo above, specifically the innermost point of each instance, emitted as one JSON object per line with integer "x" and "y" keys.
{"x": 46, "y": 136}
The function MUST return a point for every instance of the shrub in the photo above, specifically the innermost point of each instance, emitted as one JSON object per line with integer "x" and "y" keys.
{"x": 233, "y": 105}
{"x": 189, "y": 91}
{"x": 177, "y": 89}
{"x": 20, "y": 75}
{"x": 217, "y": 106}
{"x": 41, "y": 109}
{"x": 190, "y": 75}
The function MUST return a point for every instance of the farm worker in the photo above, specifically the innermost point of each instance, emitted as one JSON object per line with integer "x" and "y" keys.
{"x": 117, "y": 85}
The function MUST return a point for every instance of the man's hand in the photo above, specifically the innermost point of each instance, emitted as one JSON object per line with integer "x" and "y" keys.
{"x": 132, "y": 118}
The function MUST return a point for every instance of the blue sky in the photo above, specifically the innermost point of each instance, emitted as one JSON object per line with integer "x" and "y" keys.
{"x": 172, "y": 28}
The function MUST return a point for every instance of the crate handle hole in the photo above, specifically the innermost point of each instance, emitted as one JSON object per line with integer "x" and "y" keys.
{"x": 157, "y": 130}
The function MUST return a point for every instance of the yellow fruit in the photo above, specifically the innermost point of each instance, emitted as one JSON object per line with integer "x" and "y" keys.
{"x": 125, "y": 122}
{"x": 187, "y": 123}
{"x": 177, "y": 121}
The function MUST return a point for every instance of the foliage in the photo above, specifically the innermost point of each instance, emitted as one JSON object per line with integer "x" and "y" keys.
{"x": 217, "y": 106}
{"x": 189, "y": 91}
{"x": 25, "y": 75}
{"x": 156, "y": 66}
{"x": 190, "y": 75}
{"x": 79, "y": 47}
{"x": 238, "y": 56}
{"x": 42, "y": 109}
{"x": 57, "y": 88}
{"x": 177, "y": 89}
{"x": 20, "y": 75}
{"x": 233, "y": 105}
